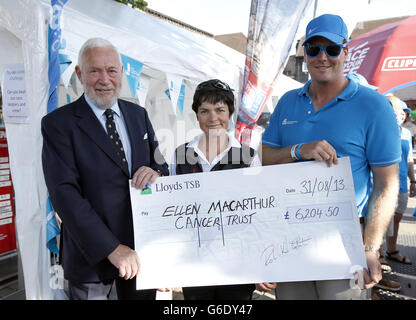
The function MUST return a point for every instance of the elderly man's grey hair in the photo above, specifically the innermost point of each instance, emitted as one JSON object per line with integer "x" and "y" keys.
{"x": 95, "y": 43}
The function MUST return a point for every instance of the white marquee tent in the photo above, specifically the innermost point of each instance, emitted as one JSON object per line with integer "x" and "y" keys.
{"x": 166, "y": 51}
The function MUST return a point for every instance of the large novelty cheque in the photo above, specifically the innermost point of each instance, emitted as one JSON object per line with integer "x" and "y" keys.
{"x": 292, "y": 222}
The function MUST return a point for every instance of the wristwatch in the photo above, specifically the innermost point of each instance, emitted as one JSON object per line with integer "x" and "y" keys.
{"x": 160, "y": 173}
{"x": 369, "y": 248}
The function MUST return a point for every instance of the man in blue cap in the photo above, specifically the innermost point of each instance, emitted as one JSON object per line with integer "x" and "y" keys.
{"x": 406, "y": 170}
{"x": 409, "y": 124}
{"x": 331, "y": 117}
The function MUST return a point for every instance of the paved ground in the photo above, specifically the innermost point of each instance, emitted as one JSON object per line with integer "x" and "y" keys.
{"x": 405, "y": 274}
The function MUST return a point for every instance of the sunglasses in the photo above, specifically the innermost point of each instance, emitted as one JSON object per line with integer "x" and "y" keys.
{"x": 214, "y": 84}
{"x": 331, "y": 50}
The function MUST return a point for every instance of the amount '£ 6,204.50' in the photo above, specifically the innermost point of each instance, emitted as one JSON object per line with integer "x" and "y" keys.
{"x": 319, "y": 212}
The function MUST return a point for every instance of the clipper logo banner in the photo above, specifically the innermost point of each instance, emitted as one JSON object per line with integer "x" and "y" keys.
{"x": 399, "y": 63}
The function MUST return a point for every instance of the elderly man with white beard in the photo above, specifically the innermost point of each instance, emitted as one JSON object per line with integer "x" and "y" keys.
{"x": 91, "y": 148}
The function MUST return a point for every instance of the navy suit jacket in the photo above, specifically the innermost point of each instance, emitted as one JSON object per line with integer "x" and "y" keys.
{"x": 89, "y": 185}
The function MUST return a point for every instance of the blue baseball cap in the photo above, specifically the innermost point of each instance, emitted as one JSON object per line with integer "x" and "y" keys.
{"x": 405, "y": 107}
{"x": 329, "y": 26}
{"x": 400, "y": 103}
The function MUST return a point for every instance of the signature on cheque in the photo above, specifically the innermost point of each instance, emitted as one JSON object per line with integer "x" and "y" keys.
{"x": 276, "y": 250}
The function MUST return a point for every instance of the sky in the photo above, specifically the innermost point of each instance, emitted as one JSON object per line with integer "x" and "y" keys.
{"x": 231, "y": 16}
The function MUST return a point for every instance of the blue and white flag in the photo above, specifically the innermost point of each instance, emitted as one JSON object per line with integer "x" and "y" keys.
{"x": 64, "y": 62}
{"x": 174, "y": 87}
{"x": 132, "y": 69}
{"x": 181, "y": 99}
{"x": 54, "y": 44}
{"x": 54, "y": 74}
{"x": 142, "y": 89}
{"x": 52, "y": 228}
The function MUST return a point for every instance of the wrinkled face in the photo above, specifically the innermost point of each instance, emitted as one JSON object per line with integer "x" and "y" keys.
{"x": 101, "y": 76}
{"x": 213, "y": 118}
{"x": 325, "y": 69}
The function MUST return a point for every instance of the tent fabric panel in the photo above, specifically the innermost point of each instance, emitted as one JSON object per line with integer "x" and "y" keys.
{"x": 26, "y": 21}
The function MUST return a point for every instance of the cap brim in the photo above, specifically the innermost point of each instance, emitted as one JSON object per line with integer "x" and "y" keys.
{"x": 328, "y": 35}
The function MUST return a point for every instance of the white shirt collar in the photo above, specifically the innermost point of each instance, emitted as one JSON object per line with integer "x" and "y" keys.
{"x": 232, "y": 143}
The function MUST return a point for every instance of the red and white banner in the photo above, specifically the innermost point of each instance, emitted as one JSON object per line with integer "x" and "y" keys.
{"x": 272, "y": 28}
{"x": 7, "y": 219}
{"x": 385, "y": 56}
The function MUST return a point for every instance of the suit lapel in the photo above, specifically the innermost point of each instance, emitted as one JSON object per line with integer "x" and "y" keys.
{"x": 89, "y": 123}
{"x": 132, "y": 130}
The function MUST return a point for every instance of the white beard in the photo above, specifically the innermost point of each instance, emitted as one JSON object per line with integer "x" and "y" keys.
{"x": 98, "y": 101}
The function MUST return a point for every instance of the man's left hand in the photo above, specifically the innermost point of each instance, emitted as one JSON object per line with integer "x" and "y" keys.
{"x": 143, "y": 176}
{"x": 374, "y": 273}
{"x": 266, "y": 286}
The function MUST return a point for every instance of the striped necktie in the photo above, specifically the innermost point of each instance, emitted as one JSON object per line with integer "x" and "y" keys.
{"x": 113, "y": 134}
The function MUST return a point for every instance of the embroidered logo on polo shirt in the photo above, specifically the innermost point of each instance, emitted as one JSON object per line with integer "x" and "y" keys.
{"x": 286, "y": 122}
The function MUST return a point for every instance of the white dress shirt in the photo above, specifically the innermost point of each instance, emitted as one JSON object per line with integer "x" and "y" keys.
{"x": 203, "y": 161}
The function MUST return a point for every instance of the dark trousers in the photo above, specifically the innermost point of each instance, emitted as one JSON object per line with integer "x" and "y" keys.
{"x": 126, "y": 290}
{"x": 228, "y": 292}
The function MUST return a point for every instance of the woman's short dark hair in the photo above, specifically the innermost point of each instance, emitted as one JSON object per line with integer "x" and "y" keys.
{"x": 213, "y": 91}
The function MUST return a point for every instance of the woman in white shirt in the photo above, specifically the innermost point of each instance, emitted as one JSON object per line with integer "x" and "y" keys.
{"x": 213, "y": 150}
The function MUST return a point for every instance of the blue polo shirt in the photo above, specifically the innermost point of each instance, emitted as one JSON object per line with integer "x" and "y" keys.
{"x": 359, "y": 123}
{"x": 407, "y": 149}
